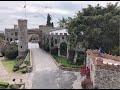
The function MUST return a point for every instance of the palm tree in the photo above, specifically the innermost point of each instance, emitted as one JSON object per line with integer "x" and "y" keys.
{"x": 62, "y": 21}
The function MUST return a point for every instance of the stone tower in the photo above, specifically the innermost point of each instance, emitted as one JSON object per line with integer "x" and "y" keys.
{"x": 22, "y": 37}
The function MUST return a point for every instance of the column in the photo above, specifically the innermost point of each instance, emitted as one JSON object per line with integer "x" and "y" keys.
{"x": 67, "y": 50}
{"x": 59, "y": 49}
{"x": 50, "y": 44}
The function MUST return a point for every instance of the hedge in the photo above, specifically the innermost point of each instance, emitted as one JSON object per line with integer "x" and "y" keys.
{"x": 4, "y": 84}
{"x": 27, "y": 59}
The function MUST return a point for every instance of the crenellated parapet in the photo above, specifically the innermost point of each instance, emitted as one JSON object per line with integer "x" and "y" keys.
{"x": 99, "y": 59}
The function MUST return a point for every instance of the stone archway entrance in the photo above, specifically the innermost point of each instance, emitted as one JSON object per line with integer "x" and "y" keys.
{"x": 63, "y": 49}
{"x": 33, "y": 38}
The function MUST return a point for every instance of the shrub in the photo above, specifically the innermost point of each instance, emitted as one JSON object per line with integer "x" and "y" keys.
{"x": 4, "y": 84}
{"x": 23, "y": 66}
{"x": 17, "y": 65}
{"x": 15, "y": 69}
{"x": 11, "y": 52}
{"x": 81, "y": 57}
{"x": 27, "y": 62}
{"x": 27, "y": 59}
{"x": 29, "y": 69}
{"x": 63, "y": 49}
{"x": 71, "y": 54}
{"x": 46, "y": 47}
{"x": 2, "y": 87}
{"x": 20, "y": 57}
{"x": 13, "y": 86}
{"x": 3, "y": 50}
{"x": 54, "y": 51}
{"x": 24, "y": 70}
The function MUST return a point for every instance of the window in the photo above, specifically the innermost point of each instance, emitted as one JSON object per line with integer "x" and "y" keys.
{"x": 65, "y": 33}
{"x": 16, "y": 33}
{"x": 11, "y": 34}
{"x": 10, "y": 39}
{"x": 63, "y": 38}
{"x": 21, "y": 47}
{"x": 55, "y": 41}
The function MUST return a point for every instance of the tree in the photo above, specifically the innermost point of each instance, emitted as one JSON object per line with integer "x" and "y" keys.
{"x": 62, "y": 22}
{"x": 49, "y": 20}
{"x": 2, "y": 37}
{"x": 52, "y": 24}
{"x": 95, "y": 27}
{"x": 11, "y": 52}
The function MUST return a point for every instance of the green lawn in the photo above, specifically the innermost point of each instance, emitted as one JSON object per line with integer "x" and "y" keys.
{"x": 9, "y": 64}
{"x": 65, "y": 62}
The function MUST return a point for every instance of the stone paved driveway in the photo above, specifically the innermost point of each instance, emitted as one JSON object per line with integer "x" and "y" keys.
{"x": 47, "y": 75}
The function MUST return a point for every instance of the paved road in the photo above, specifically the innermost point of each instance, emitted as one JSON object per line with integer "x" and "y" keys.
{"x": 47, "y": 75}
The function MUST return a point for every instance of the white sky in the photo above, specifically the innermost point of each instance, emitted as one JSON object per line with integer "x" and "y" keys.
{"x": 11, "y": 11}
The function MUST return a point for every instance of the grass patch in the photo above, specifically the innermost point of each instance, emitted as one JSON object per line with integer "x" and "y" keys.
{"x": 67, "y": 63}
{"x": 9, "y": 64}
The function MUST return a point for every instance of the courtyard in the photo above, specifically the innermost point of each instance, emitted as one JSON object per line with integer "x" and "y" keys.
{"x": 60, "y": 47}
{"x": 45, "y": 74}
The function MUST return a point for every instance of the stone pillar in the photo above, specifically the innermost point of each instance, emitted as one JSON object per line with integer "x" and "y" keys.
{"x": 67, "y": 50}
{"x": 50, "y": 43}
{"x": 22, "y": 37}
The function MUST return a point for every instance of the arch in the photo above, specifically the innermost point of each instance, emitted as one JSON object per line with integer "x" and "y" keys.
{"x": 33, "y": 38}
{"x": 63, "y": 49}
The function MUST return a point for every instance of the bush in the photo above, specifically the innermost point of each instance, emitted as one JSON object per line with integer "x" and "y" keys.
{"x": 2, "y": 87}
{"x": 17, "y": 65}
{"x": 81, "y": 57}
{"x": 46, "y": 47}
{"x": 15, "y": 69}
{"x": 11, "y": 52}
{"x": 27, "y": 62}
{"x": 23, "y": 66}
{"x": 29, "y": 69}
{"x": 13, "y": 86}
{"x": 3, "y": 50}
{"x": 24, "y": 70}
{"x": 4, "y": 84}
{"x": 27, "y": 59}
{"x": 54, "y": 51}
{"x": 20, "y": 57}
{"x": 71, "y": 54}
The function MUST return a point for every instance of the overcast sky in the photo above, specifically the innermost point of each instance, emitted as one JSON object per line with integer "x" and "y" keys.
{"x": 36, "y": 11}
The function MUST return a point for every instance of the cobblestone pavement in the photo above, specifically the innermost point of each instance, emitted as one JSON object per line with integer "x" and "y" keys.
{"x": 45, "y": 74}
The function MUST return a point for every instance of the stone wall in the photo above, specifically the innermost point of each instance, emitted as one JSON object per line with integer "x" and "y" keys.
{"x": 104, "y": 76}
{"x": 107, "y": 79}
